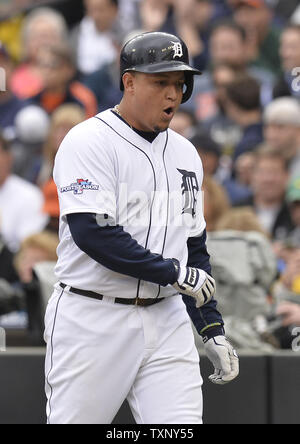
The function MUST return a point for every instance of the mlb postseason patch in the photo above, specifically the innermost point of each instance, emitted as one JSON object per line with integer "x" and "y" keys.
{"x": 79, "y": 187}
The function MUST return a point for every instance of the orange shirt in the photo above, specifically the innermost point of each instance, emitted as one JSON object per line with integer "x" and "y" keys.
{"x": 51, "y": 203}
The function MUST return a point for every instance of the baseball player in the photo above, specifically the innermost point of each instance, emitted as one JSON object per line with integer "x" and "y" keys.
{"x": 133, "y": 267}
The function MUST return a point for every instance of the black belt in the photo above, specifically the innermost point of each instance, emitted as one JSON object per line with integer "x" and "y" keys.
{"x": 99, "y": 297}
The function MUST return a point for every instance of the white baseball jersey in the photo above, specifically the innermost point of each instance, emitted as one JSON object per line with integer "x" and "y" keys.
{"x": 152, "y": 190}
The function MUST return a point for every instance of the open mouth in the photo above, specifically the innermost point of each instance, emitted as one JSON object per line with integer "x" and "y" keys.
{"x": 169, "y": 111}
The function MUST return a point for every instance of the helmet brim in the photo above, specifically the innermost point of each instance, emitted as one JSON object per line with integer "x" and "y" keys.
{"x": 162, "y": 67}
{"x": 166, "y": 66}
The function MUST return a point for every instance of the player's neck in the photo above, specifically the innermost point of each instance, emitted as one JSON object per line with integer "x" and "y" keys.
{"x": 149, "y": 136}
{"x": 124, "y": 111}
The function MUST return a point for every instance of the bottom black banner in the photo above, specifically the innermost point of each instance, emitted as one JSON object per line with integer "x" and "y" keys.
{"x": 144, "y": 433}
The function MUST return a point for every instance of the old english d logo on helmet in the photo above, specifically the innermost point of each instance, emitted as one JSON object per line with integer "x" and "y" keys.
{"x": 178, "y": 50}
{"x": 155, "y": 52}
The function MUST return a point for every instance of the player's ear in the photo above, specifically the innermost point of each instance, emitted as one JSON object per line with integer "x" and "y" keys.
{"x": 129, "y": 81}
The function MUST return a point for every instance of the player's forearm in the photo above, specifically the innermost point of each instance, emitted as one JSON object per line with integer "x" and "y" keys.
{"x": 207, "y": 317}
{"x": 198, "y": 255}
{"x": 116, "y": 250}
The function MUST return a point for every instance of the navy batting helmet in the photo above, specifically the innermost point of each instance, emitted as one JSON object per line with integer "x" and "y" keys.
{"x": 155, "y": 52}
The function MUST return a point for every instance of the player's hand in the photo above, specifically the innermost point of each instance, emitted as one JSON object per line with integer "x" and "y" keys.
{"x": 196, "y": 283}
{"x": 224, "y": 359}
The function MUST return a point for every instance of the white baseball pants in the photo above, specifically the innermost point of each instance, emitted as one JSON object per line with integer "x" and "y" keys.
{"x": 99, "y": 353}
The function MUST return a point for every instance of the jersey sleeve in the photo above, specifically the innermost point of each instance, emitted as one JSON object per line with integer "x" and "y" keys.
{"x": 199, "y": 225}
{"x": 84, "y": 174}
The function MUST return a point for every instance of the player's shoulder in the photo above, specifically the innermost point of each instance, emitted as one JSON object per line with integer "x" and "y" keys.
{"x": 87, "y": 135}
{"x": 89, "y": 128}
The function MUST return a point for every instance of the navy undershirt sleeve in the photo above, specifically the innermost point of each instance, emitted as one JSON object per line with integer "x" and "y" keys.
{"x": 207, "y": 319}
{"x": 116, "y": 250}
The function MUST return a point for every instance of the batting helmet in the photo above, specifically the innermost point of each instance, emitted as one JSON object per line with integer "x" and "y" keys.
{"x": 155, "y": 52}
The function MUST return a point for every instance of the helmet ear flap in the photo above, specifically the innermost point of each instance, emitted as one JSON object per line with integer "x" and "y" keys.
{"x": 189, "y": 82}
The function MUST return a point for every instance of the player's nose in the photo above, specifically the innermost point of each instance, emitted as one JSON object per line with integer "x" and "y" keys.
{"x": 172, "y": 92}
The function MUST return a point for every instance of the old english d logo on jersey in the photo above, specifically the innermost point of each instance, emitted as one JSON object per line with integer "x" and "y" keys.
{"x": 189, "y": 187}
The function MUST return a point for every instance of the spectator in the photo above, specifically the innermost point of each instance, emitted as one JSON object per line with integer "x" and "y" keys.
{"x": 191, "y": 20}
{"x": 288, "y": 85}
{"x": 62, "y": 121}
{"x": 20, "y": 203}
{"x": 10, "y": 34}
{"x": 209, "y": 151}
{"x": 239, "y": 186}
{"x": 96, "y": 38}
{"x": 293, "y": 199}
{"x": 286, "y": 293}
{"x": 60, "y": 88}
{"x": 282, "y": 130}
{"x": 32, "y": 125}
{"x": 228, "y": 48}
{"x": 10, "y": 105}
{"x": 129, "y": 14}
{"x": 184, "y": 123}
{"x": 194, "y": 20}
{"x": 270, "y": 179}
{"x": 42, "y": 27}
{"x": 40, "y": 247}
{"x": 290, "y": 314}
{"x": 158, "y": 15}
{"x": 216, "y": 203}
{"x": 244, "y": 169}
{"x": 245, "y": 269}
{"x": 7, "y": 268}
{"x": 229, "y": 45}
{"x": 256, "y": 16}
{"x": 215, "y": 166}
{"x": 35, "y": 265}
{"x": 221, "y": 128}
{"x": 105, "y": 83}
{"x": 243, "y": 107}
{"x": 195, "y": 29}
{"x": 242, "y": 220}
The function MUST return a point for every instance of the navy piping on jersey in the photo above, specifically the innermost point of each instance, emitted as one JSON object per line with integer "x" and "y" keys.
{"x": 52, "y": 352}
{"x": 168, "y": 203}
{"x": 150, "y": 137}
{"x": 155, "y": 186}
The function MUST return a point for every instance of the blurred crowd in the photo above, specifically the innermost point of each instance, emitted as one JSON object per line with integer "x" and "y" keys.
{"x": 243, "y": 119}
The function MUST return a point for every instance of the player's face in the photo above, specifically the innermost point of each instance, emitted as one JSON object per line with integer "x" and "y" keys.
{"x": 156, "y": 98}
